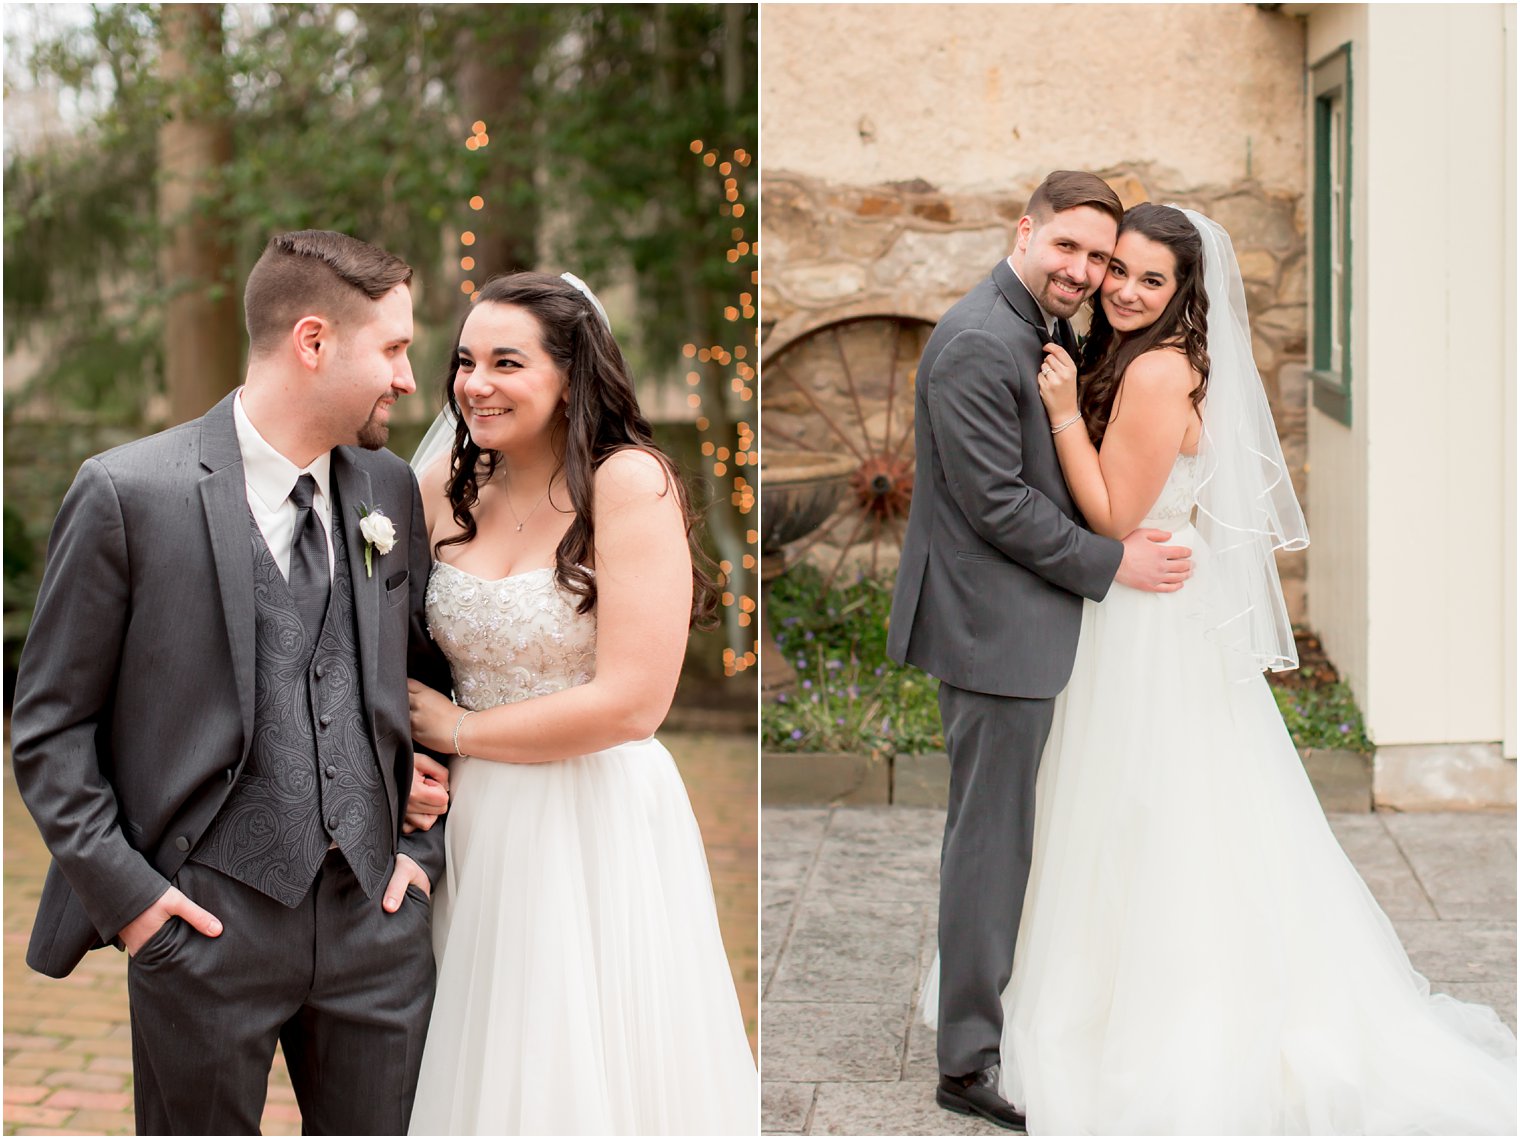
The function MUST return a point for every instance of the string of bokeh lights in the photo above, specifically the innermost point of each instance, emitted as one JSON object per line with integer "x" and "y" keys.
{"x": 716, "y": 453}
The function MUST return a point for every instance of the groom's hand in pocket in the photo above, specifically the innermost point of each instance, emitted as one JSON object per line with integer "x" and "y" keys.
{"x": 1151, "y": 566}
{"x": 430, "y": 794}
{"x": 171, "y": 903}
{"x": 407, "y": 873}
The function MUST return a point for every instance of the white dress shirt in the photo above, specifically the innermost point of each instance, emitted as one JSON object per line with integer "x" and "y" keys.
{"x": 270, "y": 477}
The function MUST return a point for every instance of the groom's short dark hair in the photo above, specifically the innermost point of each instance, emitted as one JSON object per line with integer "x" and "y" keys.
{"x": 315, "y": 271}
{"x": 1067, "y": 189}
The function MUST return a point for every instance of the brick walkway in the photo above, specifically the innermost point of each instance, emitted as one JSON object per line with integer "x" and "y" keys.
{"x": 68, "y": 1067}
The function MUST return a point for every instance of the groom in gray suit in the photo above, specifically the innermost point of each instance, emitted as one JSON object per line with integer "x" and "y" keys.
{"x": 994, "y": 567}
{"x": 211, "y": 725}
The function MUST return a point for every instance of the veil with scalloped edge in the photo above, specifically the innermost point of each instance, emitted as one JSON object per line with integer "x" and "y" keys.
{"x": 439, "y": 438}
{"x": 1246, "y": 507}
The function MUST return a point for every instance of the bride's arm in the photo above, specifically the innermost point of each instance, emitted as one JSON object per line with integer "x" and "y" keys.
{"x": 644, "y": 594}
{"x": 1114, "y": 487}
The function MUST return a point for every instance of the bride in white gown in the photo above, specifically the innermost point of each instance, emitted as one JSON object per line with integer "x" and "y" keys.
{"x": 582, "y": 983}
{"x": 1197, "y": 955}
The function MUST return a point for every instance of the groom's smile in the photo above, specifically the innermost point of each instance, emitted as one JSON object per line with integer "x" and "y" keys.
{"x": 1067, "y": 288}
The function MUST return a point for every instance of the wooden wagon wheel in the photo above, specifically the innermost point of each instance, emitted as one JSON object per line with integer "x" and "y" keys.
{"x": 847, "y": 388}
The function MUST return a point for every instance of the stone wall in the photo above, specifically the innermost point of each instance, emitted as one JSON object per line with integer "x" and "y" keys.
{"x": 836, "y": 252}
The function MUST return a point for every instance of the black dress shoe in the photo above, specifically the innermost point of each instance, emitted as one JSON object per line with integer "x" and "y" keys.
{"x": 977, "y": 1094}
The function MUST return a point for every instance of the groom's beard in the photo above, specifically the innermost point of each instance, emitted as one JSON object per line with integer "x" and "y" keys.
{"x": 374, "y": 434}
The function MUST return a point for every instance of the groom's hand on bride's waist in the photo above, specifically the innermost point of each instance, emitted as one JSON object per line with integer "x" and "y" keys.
{"x": 171, "y": 903}
{"x": 1151, "y": 566}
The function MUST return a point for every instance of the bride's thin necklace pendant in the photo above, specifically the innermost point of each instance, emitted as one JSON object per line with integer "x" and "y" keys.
{"x": 521, "y": 522}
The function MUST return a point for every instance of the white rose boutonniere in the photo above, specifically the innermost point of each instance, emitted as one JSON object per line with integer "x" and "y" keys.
{"x": 379, "y": 534}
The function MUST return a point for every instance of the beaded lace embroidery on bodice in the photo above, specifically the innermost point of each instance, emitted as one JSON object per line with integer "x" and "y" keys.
{"x": 510, "y": 639}
{"x": 1174, "y": 505}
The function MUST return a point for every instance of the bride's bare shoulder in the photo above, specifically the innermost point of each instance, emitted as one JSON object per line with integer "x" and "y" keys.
{"x": 633, "y": 473}
{"x": 1162, "y": 372}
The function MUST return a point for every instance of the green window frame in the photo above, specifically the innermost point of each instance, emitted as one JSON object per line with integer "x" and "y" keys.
{"x": 1330, "y": 319}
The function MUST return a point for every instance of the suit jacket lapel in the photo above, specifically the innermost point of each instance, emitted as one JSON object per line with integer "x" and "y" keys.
{"x": 224, "y": 499}
{"x": 353, "y": 492}
{"x": 1019, "y": 297}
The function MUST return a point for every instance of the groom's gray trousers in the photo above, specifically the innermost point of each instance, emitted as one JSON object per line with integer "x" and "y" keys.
{"x": 995, "y": 564}
{"x": 994, "y": 744}
{"x": 344, "y": 987}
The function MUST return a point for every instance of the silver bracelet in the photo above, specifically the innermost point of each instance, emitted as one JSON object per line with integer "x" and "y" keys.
{"x": 1062, "y": 427}
{"x": 459, "y": 724}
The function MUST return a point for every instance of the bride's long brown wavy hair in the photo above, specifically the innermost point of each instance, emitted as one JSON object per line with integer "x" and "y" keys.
{"x": 1182, "y": 324}
{"x": 602, "y": 417}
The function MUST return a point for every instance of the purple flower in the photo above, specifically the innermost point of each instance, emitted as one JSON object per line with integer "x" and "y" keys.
{"x": 807, "y": 634}
{"x": 854, "y": 692}
{"x": 788, "y": 622}
{"x": 781, "y": 698}
{"x": 839, "y": 720}
{"x": 833, "y": 664}
{"x": 814, "y": 698}
{"x": 807, "y": 684}
{"x": 1345, "y": 728}
{"x": 796, "y": 733}
{"x": 878, "y": 670}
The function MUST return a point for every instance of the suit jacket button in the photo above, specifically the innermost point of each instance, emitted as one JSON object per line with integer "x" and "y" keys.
{"x": 332, "y": 771}
{"x": 323, "y": 721}
{"x": 182, "y": 843}
{"x": 321, "y": 669}
{"x": 332, "y": 822}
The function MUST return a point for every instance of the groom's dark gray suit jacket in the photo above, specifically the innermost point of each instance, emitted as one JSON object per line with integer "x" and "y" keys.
{"x": 134, "y": 703}
{"x": 996, "y": 559}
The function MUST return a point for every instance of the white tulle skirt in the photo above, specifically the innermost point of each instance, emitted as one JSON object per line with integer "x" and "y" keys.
{"x": 1196, "y": 954}
{"x": 582, "y": 983}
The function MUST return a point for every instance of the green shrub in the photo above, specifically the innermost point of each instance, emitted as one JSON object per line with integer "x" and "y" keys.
{"x": 1323, "y": 716}
{"x": 850, "y": 698}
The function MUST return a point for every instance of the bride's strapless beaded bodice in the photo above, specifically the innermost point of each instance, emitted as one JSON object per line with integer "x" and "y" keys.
{"x": 1173, "y": 507}
{"x": 509, "y": 639}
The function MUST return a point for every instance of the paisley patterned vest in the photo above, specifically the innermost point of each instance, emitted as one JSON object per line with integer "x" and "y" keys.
{"x": 312, "y": 779}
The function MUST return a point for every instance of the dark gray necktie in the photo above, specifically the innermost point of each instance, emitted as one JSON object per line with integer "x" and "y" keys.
{"x": 1066, "y": 338}
{"x": 309, "y": 580}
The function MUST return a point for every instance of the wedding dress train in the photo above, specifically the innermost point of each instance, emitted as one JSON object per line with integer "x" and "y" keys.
{"x": 1196, "y": 953}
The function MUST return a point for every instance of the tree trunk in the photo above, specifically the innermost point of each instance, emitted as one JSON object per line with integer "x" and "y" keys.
{"x": 496, "y": 59}
{"x": 202, "y": 329}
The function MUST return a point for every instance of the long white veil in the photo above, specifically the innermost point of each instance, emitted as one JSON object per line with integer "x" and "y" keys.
{"x": 1246, "y": 506}
{"x": 438, "y": 440}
